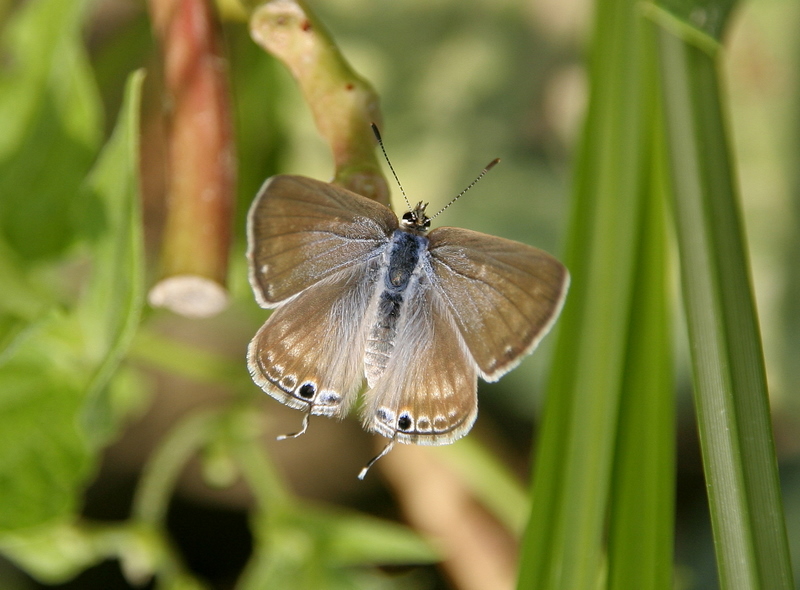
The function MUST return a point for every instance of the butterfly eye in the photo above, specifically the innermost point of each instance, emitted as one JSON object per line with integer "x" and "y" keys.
{"x": 404, "y": 422}
{"x": 307, "y": 390}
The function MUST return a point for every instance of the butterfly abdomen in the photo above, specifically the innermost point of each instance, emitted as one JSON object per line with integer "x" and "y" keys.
{"x": 403, "y": 259}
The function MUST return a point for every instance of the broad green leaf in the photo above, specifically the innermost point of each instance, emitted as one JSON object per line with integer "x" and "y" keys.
{"x": 22, "y": 301}
{"x": 53, "y": 372}
{"x": 44, "y": 457}
{"x": 51, "y": 115}
{"x": 110, "y": 308}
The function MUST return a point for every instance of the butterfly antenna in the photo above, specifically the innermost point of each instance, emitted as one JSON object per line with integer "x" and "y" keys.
{"x": 301, "y": 431}
{"x": 383, "y": 149}
{"x": 489, "y": 166}
{"x": 372, "y": 461}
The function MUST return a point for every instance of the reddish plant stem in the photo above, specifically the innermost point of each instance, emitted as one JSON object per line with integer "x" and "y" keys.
{"x": 201, "y": 159}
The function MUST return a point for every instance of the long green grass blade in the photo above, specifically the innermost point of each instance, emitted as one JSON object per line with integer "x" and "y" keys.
{"x": 641, "y": 512}
{"x": 595, "y": 359}
{"x": 729, "y": 376}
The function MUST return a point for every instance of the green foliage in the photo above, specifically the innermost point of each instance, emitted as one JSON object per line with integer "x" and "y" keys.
{"x": 654, "y": 161}
{"x": 61, "y": 358}
{"x": 51, "y": 118}
{"x": 605, "y": 455}
{"x": 611, "y": 367}
{"x": 731, "y": 397}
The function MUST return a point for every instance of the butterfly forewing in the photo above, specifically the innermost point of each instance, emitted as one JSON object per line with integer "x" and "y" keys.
{"x": 303, "y": 356}
{"x": 504, "y": 296}
{"x": 427, "y": 393}
{"x": 301, "y": 231}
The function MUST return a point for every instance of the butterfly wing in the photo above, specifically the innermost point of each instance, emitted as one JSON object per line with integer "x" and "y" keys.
{"x": 301, "y": 231}
{"x": 308, "y": 355}
{"x": 503, "y": 296}
{"x": 314, "y": 253}
{"x": 427, "y": 393}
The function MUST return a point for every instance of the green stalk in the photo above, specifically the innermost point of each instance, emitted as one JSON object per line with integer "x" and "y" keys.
{"x": 641, "y": 517}
{"x": 343, "y": 103}
{"x": 606, "y": 337}
{"x": 731, "y": 396}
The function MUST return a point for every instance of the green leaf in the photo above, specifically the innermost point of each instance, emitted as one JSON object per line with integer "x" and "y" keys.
{"x": 56, "y": 553}
{"x": 110, "y": 308}
{"x": 564, "y": 546}
{"x": 706, "y": 17}
{"x": 641, "y": 514}
{"x": 731, "y": 397}
{"x": 44, "y": 457}
{"x": 297, "y": 545}
{"x": 22, "y": 301}
{"x": 355, "y": 539}
{"x": 53, "y": 372}
{"x": 52, "y": 554}
{"x": 312, "y": 547}
{"x": 51, "y": 115}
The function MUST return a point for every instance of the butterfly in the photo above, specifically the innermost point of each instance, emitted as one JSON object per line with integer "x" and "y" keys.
{"x": 359, "y": 294}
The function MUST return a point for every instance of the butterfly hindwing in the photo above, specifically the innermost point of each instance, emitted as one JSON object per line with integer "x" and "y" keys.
{"x": 504, "y": 296}
{"x": 427, "y": 392}
{"x": 302, "y": 230}
{"x": 305, "y": 355}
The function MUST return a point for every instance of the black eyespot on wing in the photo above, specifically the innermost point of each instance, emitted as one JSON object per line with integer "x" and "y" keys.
{"x": 307, "y": 390}
{"x": 404, "y": 422}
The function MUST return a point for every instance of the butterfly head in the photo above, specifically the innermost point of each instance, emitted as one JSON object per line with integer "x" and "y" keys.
{"x": 416, "y": 220}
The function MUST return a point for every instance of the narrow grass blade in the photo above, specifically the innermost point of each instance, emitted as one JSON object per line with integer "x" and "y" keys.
{"x": 729, "y": 377}
{"x": 641, "y": 512}
{"x": 565, "y": 546}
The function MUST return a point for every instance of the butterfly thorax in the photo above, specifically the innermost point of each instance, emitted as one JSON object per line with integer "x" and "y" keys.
{"x": 403, "y": 262}
{"x": 404, "y": 254}
{"x": 416, "y": 220}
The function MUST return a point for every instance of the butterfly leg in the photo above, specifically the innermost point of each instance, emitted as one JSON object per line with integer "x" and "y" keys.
{"x": 372, "y": 461}
{"x": 301, "y": 431}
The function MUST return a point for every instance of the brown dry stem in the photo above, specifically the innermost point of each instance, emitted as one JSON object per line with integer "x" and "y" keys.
{"x": 478, "y": 552}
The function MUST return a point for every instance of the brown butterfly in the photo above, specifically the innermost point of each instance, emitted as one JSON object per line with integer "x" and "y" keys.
{"x": 360, "y": 294}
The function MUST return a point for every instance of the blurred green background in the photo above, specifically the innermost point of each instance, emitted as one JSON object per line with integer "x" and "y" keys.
{"x": 461, "y": 82}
